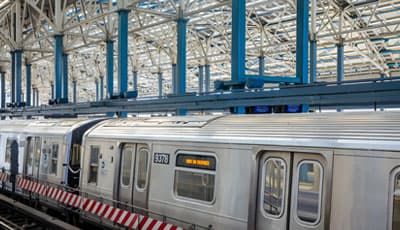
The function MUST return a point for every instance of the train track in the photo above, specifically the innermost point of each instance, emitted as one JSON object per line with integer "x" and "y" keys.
{"x": 15, "y": 215}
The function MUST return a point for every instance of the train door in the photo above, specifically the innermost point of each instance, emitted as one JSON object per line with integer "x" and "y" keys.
{"x": 291, "y": 191}
{"x": 134, "y": 166}
{"x": 32, "y": 156}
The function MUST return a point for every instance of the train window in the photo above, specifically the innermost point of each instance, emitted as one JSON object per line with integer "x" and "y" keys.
{"x": 94, "y": 163}
{"x": 127, "y": 154}
{"x": 195, "y": 177}
{"x": 142, "y": 167}
{"x": 396, "y": 202}
{"x": 274, "y": 171}
{"x": 31, "y": 151}
{"x": 76, "y": 156}
{"x": 309, "y": 191}
{"x": 54, "y": 159}
{"x": 8, "y": 150}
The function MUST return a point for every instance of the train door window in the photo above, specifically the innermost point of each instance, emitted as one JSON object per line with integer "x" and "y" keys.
{"x": 274, "y": 171}
{"x": 127, "y": 154}
{"x": 396, "y": 202}
{"x": 195, "y": 177}
{"x": 94, "y": 163}
{"x": 309, "y": 189}
{"x": 76, "y": 156}
{"x": 8, "y": 150}
{"x": 142, "y": 168}
{"x": 54, "y": 159}
{"x": 31, "y": 153}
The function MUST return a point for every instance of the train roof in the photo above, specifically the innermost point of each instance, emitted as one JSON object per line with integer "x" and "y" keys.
{"x": 367, "y": 130}
{"x": 48, "y": 126}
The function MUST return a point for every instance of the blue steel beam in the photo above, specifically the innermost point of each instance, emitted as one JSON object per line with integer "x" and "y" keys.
{"x": 275, "y": 79}
{"x": 18, "y": 75}
{"x": 135, "y": 80}
{"x": 3, "y": 89}
{"x": 123, "y": 53}
{"x": 65, "y": 76}
{"x": 366, "y": 93}
{"x": 238, "y": 52}
{"x": 74, "y": 91}
{"x": 207, "y": 78}
{"x": 340, "y": 61}
{"x": 160, "y": 84}
{"x": 12, "y": 76}
{"x": 28, "y": 68}
{"x": 58, "y": 65}
{"x": 110, "y": 67}
{"x": 313, "y": 61}
{"x": 101, "y": 87}
{"x": 201, "y": 79}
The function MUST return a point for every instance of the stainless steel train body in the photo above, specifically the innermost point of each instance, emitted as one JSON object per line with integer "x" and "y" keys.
{"x": 305, "y": 171}
{"x": 49, "y": 150}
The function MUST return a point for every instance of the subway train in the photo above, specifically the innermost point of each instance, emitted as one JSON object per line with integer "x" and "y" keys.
{"x": 316, "y": 171}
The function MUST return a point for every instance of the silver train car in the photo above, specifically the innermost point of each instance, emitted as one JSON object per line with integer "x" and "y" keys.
{"x": 282, "y": 171}
{"x": 334, "y": 171}
{"x": 48, "y": 150}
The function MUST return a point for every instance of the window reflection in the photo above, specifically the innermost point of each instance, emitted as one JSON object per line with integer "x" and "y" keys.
{"x": 274, "y": 175}
{"x": 309, "y": 191}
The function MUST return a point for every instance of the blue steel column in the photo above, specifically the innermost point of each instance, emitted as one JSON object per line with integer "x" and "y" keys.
{"x": 110, "y": 67}
{"x": 340, "y": 61}
{"x": 201, "y": 79}
{"x": 34, "y": 97}
{"x": 58, "y": 64}
{"x": 101, "y": 87}
{"x": 261, "y": 65}
{"x": 123, "y": 53}
{"x": 12, "y": 76}
{"x": 181, "y": 58}
{"x": 74, "y": 91}
{"x": 160, "y": 84}
{"x": 52, "y": 90}
{"x": 18, "y": 75}
{"x": 238, "y": 53}
{"x": 173, "y": 73}
{"x": 65, "y": 76}
{"x": 37, "y": 97}
{"x": 313, "y": 61}
{"x": 97, "y": 90}
{"x": 3, "y": 89}
{"x": 135, "y": 80}
{"x": 302, "y": 44}
{"x": 302, "y": 41}
{"x": 207, "y": 78}
{"x": 28, "y": 68}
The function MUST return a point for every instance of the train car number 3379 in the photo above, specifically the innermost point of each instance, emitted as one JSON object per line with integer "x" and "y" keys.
{"x": 161, "y": 158}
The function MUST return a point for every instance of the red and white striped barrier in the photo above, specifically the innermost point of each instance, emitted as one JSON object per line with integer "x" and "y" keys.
{"x": 116, "y": 215}
{"x": 4, "y": 177}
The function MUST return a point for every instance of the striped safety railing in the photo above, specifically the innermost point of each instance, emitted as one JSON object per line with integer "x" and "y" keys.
{"x": 4, "y": 177}
{"x": 109, "y": 212}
